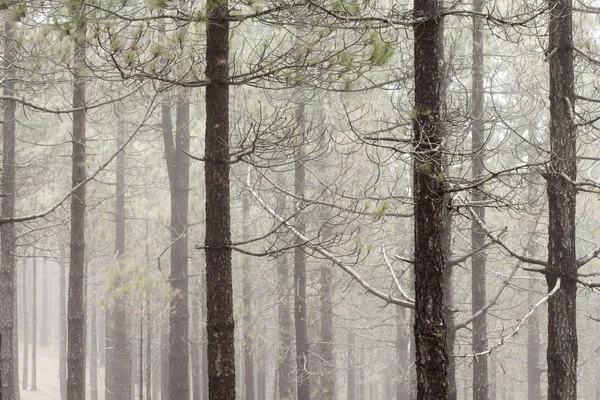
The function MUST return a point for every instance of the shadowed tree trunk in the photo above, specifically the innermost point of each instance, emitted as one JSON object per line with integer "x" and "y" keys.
{"x": 195, "y": 343}
{"x": 561, "y": 175}
{"x": 93, "y": 342}
{"x": 429, "y": 210}
{"x": 219, "y": 287}
{"x": 25, "y": 330}
{"x": 164, "y": 362}
{"x": 300, "y": 311}
{"x": 285, "y": 367}
{"x": 8, "y": 356}
{"x": 178, "y": 166}
{"x": 76, "y": 304}
{"x": 478, "y": 260}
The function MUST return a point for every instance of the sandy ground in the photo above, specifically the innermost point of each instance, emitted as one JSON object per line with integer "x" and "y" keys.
{"x": 48, "y": 385}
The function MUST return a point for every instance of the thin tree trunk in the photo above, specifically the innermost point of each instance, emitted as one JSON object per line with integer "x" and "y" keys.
{"x": 62, "y": 331}
{"x": 164, "y": 362}
{"x": 149, "y": 337}
{"x": 300, "y": 301}
{"x": 327, "y": 383}
{"x": 351, "y": 380}
{"x": 44, "y": 339}
{"x": 93, "y": 345}
{"x": 34, "y": 333}
{"x": 285, "y": 369}
{"x": 219, "y": 287}
{"x": 247, "y": 309}
{"x": 493, "y": 379}
{"x": 429, "y": 210}
{"x": 261, "y": 374}
{"x": 76, "y": 304}
{"x": 8, "y": 357}
{"x": 203, "y": 338}
{"x": 179, "y": 171}
{"x": 361, "y": 373}
{"x": 122, "y": 366}
{"x": 562, "y": 172}
{"x": 478, "y": 260}
{"x": 195, "y": 344}
{"x": 25, "y": 329}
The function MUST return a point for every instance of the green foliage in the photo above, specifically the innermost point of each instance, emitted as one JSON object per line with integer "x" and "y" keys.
{"x": 19, "y": 11}
{"x": 381, "y": 52}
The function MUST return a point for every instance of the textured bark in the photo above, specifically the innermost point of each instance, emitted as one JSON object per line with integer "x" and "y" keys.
{"x": 300, "y": 311}
{"x": 351, "y": 380}
{"x": 247, "y": 308}
{"x": 8, "y": 356}
{"x": 429, "y": 210}
{"x": 34, "y": 333}
{"x": 562, "y": 326}
{"x": 219, "y": 287}
{"x": 478, "y": 260}
{"x": 25, "y": 320}
{"x": 285, "y": 367}
{"x": 76, "y": 304}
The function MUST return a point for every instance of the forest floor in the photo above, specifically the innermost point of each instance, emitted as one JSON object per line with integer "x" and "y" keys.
{"x": 48, "y": 384}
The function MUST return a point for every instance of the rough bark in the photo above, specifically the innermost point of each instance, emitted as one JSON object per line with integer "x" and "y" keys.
{"x": 25, "y": 320}
{"x": 219, "y": 287}
{"x": 478, "y": 260}
{"x": 562, "y": 171}
{"x": 300, "y": 303}
{"x": 429, "y": 210}
{"x": 195, "y": 344}
{"x": 8, "y": 357}
{"x": 76, "y": 305}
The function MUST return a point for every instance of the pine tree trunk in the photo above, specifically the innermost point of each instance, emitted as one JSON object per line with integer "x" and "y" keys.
{"x": 8, "y": 357}
{"x": 195, "y": 343}
{"x": 351, "y": 380}
{"x": 164, "y": 362}
{"x": 25, "y": 320}
{"x": 76, "y": 304}
{"x": 562, "y": 173}
{"x": 285, "y": 368}
{"x": 219, "y": 287}
{"x": 300, "y": 301}
{"x": 247, "y": 309}
{"x": 62, "y": 331}
{"x": 34, "y": 333}
{"x": 44, "y": 339}
{"x": 93, "y": 347}
{"x": 429, "y": 210}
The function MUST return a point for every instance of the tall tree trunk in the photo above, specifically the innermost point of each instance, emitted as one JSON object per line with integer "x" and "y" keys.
{"x": 219, "y": 287}
{"x": 429, "y": 209}
{"x": 122, "y": 358}
{"x": 300, "y": 301}
{"x": 478, "y": 260}
{"x": 493, "y": 379}
{"x": 195, "y": 343}
{"x": 76, "y": 304}
{"x": 361, "y": 373}
{"x": 203, "y": 339}
{"x": 351, "y": 380}
{"x": 261, "y": 372}
{"x": 164, "y": 362}
{"x": 44, "y": 335}
{"x": 562, "y": 172}
{"x": 179, "y": 175}
{"x": 93, "y": 335}
{"x": 403, "y": 366}
{"x": 247, "y": 308}
{"x": 285, "y": 369}
{"x": 8, "y": 357}
{"x": 25, "y": 320}
{"x": 62, "y": 331}
{"x": 327, "y": 383}
{"x": 149, "y": 360}
{"x": 34, "y": 332}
